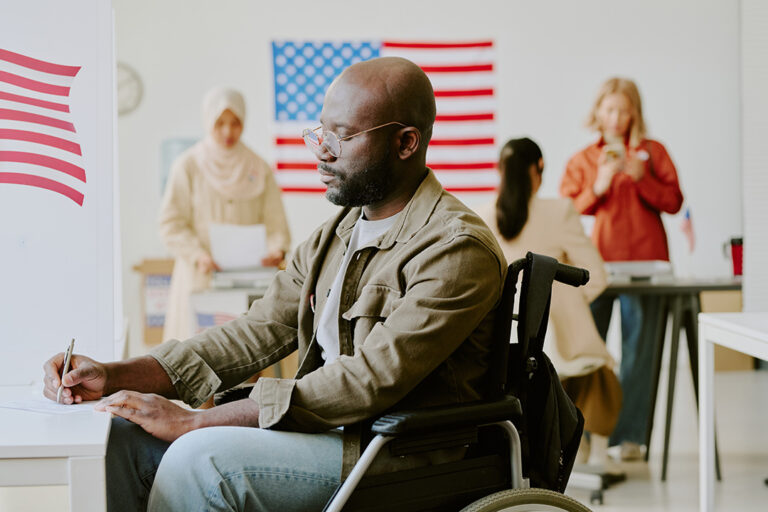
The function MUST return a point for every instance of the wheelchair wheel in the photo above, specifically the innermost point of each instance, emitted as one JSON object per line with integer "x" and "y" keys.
{"x": 526, "y": 500}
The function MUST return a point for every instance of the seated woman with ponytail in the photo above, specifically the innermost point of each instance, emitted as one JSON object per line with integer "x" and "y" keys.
{"x": 523, "y": 222}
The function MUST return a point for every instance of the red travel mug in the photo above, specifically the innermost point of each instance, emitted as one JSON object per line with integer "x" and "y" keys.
{"x": 736, "y": 247}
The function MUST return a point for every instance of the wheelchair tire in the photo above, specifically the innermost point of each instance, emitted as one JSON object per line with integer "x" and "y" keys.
{"x": 526, "y": 500}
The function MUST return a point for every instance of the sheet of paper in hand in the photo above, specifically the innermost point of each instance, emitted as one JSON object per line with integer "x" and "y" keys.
{"x": 236, "y": 247}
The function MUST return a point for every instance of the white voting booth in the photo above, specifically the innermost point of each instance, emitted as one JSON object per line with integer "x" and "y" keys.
{"x": 59, "y": 273}
{"x": 59, "y": 249}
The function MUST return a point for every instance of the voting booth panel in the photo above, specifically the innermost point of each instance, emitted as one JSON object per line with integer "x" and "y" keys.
{"x": 58, "y": 240}
{"x": 155, "y": 289}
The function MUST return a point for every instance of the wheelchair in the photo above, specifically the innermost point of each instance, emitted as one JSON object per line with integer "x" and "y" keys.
{"x": 493, "y": 474}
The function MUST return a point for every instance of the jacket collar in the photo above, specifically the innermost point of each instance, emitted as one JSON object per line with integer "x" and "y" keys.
{"x": 412, "y": 218}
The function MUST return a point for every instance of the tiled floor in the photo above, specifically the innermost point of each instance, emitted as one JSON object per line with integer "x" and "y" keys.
{"x": 742, "y": 412}
{"x": 742, "y": 488}
{"x": 742, "y": 420}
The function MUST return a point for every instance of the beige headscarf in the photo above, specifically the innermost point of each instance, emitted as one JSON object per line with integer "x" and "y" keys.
{"x": 236, "y": 172}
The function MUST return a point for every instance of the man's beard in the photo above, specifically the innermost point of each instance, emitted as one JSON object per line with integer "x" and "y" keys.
{"x": 362, "y": 188}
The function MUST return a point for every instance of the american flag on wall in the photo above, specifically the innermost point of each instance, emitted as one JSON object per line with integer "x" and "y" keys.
{"x": 462, "y": 151}
{"x": 38, "y": 142}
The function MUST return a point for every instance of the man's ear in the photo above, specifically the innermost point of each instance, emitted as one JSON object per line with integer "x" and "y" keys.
{"x": 409, "y": 142}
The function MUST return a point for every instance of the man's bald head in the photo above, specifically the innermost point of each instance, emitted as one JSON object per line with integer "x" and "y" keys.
{"x": 382, "y": 112}
{"x": 390, "y": 89}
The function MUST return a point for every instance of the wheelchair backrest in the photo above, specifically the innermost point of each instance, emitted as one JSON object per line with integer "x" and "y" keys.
{"x": 508, "y": 366}
{"x": 552, "y": 424}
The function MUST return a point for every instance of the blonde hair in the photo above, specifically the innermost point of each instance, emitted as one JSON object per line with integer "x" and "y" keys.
{"x": 628, "y": 88}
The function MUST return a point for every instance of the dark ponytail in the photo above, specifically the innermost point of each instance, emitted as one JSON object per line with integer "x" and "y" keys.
{"x": 516, "y": 188}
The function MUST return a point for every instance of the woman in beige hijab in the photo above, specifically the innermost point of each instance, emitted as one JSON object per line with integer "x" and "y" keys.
{"x": 523, "y": 222}
{"x": 218, "y": 180}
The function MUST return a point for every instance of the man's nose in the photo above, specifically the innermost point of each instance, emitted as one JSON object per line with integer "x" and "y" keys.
{"x": 322, "y": 154}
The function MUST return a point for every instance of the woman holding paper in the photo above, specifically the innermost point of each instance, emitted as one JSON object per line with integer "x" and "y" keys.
{"x": 626, "y": 181}
{"x": 218, "y": 180}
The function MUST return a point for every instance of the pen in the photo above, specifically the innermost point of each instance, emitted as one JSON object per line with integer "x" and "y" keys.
{"x": 67, "y": 359}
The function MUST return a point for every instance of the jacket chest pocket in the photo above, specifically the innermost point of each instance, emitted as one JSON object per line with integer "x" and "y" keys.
{"x": 374, "y": 305}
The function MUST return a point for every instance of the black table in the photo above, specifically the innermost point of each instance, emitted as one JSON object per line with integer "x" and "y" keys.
{"x": 680, "y": 298}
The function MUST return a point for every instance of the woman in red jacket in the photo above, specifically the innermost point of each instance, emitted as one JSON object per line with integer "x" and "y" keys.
{"x": 626, "y": 181}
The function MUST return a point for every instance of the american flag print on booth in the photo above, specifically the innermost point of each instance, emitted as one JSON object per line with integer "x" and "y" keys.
{"x": 462, "y": 151}
{"x": 38, "y": 141}
{"x": 206, "y": 320}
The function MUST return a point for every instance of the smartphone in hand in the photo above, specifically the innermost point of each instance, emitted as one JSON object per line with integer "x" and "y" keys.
{"x": 615, "y": 151}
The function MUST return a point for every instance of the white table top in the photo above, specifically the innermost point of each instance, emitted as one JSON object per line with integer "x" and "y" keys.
{"x": 25, "y": 434}
{"x": 752, "y": 324}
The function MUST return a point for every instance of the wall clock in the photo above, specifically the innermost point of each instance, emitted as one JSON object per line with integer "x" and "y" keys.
{"x": 130, "y": 89}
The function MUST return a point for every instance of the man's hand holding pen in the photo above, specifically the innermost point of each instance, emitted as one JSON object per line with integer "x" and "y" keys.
{"x": 86, "y": 379}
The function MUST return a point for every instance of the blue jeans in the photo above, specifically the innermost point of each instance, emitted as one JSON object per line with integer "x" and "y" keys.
{"x": 221, "y": 468}
{"x": 639, "y": 317}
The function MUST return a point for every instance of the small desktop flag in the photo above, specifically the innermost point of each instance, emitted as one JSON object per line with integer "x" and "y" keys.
{"x": 38, "y": 142}
{"x": 462, "y": 151}
{"x": 687, "y": 228}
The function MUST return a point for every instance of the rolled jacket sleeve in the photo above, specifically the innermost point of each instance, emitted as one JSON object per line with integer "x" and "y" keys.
{"x": 274, "y": 399}
{"x": 224, "y": 356}
{"x": 192, "y": 377}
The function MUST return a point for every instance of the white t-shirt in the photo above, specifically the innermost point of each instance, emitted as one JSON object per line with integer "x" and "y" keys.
{"x": 365, "y": 231}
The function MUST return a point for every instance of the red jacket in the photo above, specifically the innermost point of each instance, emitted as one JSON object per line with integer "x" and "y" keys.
{"x": 628, "y": 216}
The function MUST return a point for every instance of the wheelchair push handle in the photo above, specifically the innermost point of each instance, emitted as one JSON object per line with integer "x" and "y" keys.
{"x": 570, "y": 275}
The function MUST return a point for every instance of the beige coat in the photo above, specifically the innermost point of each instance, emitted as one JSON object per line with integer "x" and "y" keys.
{"x": 554, "y": 229}
{"x": 189, "y": 206}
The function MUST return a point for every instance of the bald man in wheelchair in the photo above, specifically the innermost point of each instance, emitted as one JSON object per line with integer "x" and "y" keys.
{"x": 390, "y": 304}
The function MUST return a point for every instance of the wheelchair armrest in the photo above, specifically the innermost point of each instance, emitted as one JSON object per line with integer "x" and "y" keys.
{"x": 448, "y": 417}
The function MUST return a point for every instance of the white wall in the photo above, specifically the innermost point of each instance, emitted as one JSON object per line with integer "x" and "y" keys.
{"x": 552, "y": 56}
{"x": 754, "y": 41}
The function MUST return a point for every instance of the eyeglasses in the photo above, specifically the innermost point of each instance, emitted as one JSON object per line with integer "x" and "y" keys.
{"x": 318, "y": 139}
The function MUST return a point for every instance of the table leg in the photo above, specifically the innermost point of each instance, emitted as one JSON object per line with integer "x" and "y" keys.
{"x": 661, "y": 330}
{"x": 676, "y": 319}
{"x": 691, "y": 326}
{"x": 706, "y": 424}
{"x": 87, "y": 484}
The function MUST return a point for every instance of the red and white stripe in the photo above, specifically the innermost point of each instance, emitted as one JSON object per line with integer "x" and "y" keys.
{"x": 463, "y": 148}
{"x": 38, "y": 141}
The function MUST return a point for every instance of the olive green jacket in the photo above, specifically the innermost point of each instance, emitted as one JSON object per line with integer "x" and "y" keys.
{"x": 415, "y": 327}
